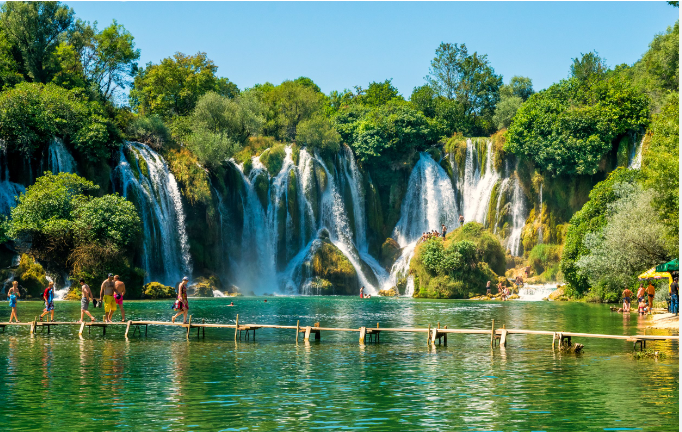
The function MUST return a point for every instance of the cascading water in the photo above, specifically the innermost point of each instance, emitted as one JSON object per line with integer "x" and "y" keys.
{"x": 635, "y": 159}
{"x": 428, "y": 204}
{"x": 278, "y": 239}
{"x": 144, "y": 177}
{"x": 501, "y": 192}
{"x": 476, "y": 185}
{"x": 9, "y": 191}
{"x": 59, "y": 159}
{"x": 536, "y": 292}
{"x": 518, "y": 211}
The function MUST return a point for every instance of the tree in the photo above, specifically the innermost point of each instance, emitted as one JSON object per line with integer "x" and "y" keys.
{"x": 569, "y": 127}
{"x": 518, "y": 86}
{"x": 424, "y": 99}
{"x": 589, "y": 65}
{"x": 36, "y": 29}
{"x": 632, "y": 241}
{"x": 378, "y": 93}
{"x": 56, "y": 221}
{"x": 506, "y": 110}
{"x": 591, "y": 218}
{"x": 174, "y": 86}
{"x": 108, "y": 58}
{"x": 318, "y": 133}
{"x": 32, "y": 115}
{"x": 286, "y": 105}
{"x": 660, "y": 164}
{"x": 454, "y": 74}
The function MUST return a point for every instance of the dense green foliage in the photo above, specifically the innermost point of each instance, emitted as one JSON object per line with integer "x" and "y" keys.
{"x": 568, "y": 128}
{"x": 31, "y": 115}
{"x": 58, "y": 223}
{"x": 591, "y": 218}
{"x": 318, "y": 133}
{"x": 512, "y": 96}
{"x": 174, "y": 86}
{"x": 660, "y": 163}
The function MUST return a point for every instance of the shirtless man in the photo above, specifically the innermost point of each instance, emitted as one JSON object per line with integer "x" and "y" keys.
{"x": 120, "y": 289}
{"x": 85, "y": 300}
{"x": 106, "y": 294}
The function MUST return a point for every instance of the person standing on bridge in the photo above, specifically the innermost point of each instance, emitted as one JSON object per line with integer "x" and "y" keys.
{"x": 48, "y": 296}
{"x": 106, "y": 295}
{"x": 120, "y": 289}
{"x": 86, "y": 294}
{"x": 183, "y": 305}
{"x": 13, "y": 295}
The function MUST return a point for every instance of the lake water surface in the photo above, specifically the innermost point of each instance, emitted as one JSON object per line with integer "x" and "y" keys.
{"x": 164, "y": 382}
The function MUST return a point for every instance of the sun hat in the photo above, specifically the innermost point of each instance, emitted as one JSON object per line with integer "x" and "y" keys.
{"x": 185, "y": 278}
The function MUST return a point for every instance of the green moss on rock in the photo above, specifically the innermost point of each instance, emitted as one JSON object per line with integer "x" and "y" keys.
{"x": 156, "y": 290}
{"x": 31, "y": 276}
{"x": 390, "y": 251}
{"x": 330, "y": 264}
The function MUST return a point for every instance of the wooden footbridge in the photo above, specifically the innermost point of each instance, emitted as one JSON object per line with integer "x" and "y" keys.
{"x": 498, "y": 336}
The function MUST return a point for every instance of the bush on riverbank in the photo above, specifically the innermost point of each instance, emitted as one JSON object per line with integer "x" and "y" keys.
{"x": 156, "y": 290}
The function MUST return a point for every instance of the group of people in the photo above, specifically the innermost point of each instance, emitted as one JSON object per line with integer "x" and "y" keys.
{"x": 645, "y": 298}
{"x": 362, "y": 293}
{"x": 504, "y": 292}
{"x": 435, "y": 234}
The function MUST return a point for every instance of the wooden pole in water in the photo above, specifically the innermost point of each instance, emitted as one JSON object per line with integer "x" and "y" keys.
{"x": 306, "y": 337}
{"x": 445, "y": 338}
{"x": 363, "y": 331}
{"x": 298, "y": 327}
{"x": 127, "y": 329}
{"x": 503, "y": 338}
{"x": 428, "y": 336}
{"x": 236, "y": 328}
{"x": 189, "y": 326}
{"x": 492, "y": 335}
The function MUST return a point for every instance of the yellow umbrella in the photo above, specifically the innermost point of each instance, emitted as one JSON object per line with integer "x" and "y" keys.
{"x": 653, "y": 274}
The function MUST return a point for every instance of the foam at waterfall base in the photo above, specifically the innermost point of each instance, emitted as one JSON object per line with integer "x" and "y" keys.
{"x": 536, "y": 292}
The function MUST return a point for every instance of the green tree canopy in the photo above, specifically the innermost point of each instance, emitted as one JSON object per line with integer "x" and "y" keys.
{"x": 378, "y": 93}
{"x": 569, "y": 127}
{"x": 286, "y": 105}
{"x": 318, "y": 133}
{"x": 588, "y": 66}
{"x": 35, "y": 30}
{"x": 174, "y": 86}
{"x": 31, "y": 115}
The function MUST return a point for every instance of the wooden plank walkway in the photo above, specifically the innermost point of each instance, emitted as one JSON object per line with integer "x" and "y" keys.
{"x": 498, "y": 336}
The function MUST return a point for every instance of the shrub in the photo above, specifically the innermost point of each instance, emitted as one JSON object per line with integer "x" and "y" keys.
{"x": 156, "y": 290}
{"x": 150, "y": 130}
{"x": 273, "y": 158}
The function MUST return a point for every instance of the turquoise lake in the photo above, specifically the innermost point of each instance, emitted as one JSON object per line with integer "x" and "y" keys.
{"x": 165, "y": 382}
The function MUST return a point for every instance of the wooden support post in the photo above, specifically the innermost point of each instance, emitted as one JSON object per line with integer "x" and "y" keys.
{"x": 189, "y": 326}
{"x": 363, "y": 332}
{"x": 104, "y": 330}
{"x": 306, "y": 337}
{"x": 503, "y": 338}
{"x": 145, "y": 330}
{"x": 492, "y": 334}
{"x": 80, "y": 331}
{"x": 203, "y": 330}
{"x": 428, "y": 336}
{"x": 128, "y": 328}
{"x": 298, "y": 328}
{"x": 236, "y": 328}
{"x": 445, "y": 338}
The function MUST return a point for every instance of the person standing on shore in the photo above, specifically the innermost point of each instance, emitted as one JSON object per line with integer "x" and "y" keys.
{"x": 627, "y": 294}
{"x": 86, "y": 296}
{"x": 651, "y": 292}
{"x": 461, "y": 220}
{"x": 13, "y": 295}
{"x": 48, "y": 296}
{"x": 120, "y": 289}
{"x": 487, "y": 288}
{"x": 640, "y": 293}
{"x": 182, "y": 301}
{"x": 106, "y": 295}
{"x": 445, "y": 231}
{"x": 675, "y": 297}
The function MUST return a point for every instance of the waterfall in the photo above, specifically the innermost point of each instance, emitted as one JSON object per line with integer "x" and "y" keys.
{"x": 217, "y": 293}
{"x": 540, "y": 229}
{"x": 500, "y": 193}
{"x": 60, "y": 293}
{"x": 477, "y": 183}
{"x": 144, "y": 177}
{"x": 518, "y": 210}
{"x": 428, "y": 203}
{"x": 269, "y": 231}
{"x": 536, "y": 292}
{"x": 59, "y": 159}
{"x": 9, "y": 191}
{"x": 635, "y": 159}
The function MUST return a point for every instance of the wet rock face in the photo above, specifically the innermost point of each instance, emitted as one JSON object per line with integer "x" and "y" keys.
{"x": 390, "y": 251}
{"x": 331, "y": 265}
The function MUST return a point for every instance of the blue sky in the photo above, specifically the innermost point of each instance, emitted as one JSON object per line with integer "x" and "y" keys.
{"x": 343, "y": 44}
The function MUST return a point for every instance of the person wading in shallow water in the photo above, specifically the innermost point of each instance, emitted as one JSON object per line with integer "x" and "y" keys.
{"x": 651, "y": 291}
{"x": 362, "y": 292}
{"x": 120, "y": 289}
{"x": 183, "y": 305}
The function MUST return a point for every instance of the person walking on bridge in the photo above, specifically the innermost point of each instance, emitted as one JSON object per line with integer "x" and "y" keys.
{"x": 12, "y": 296}
{"x": 48, "y": 296}
{"x": 120, "y": 289}
{"x": 183, "y": 305}
{"x": 86, "y": 293}
{"x": 106, "y": 294}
